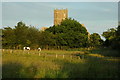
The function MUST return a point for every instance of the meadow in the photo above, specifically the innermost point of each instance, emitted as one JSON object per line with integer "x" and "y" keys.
{"x": 59, "y": 64}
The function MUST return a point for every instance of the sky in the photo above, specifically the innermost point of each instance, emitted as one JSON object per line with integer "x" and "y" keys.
{"x": 59, "y": 0}
{"x": 96, "y": 16}
{"x": 119, "y": 12}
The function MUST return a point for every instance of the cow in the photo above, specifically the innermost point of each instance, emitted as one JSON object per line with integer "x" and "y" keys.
{"x": 39, "y": 49}
{"x": 26, "y": 48}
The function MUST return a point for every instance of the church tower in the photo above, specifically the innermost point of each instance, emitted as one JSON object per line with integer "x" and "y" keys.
{"x": 60, "y": 15}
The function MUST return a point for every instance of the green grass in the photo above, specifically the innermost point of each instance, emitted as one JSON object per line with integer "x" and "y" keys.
{"x": 20, "y": 64}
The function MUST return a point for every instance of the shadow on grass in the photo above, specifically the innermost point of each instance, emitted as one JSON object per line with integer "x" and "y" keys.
{"x": 11, "y": 70}
{"x": 92, "y": 68}
{"x": 17, "y": 70}
{"x": 62, "y": 68}
{"x": 105, "y": 52}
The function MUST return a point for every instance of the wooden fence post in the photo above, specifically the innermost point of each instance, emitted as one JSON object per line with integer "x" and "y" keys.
{"x": 45, "y": 55}
{"x": 78, "y": 57}
{"x": 71, "y": 56}
{"x": 11, "y": 51}
{"x": 63, "y": 56}
{"x": 39, "y": 53}
{"x": 56, "y": 55}
{"x": 28, "y": 52}
{"x": 3, "y": 50}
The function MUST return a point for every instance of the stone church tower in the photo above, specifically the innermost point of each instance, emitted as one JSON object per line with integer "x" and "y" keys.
{"x": 60, "y": 15}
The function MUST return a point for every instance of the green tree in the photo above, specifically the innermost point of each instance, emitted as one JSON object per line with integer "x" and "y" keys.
{"x": 95, "y": 40}
{"x": 21, "y": 33}
{"x": 32, "y": 36}
{"x": 70, "y": 33}
{"x": 8, "y": 37}
{"x": 46, "y": 39}
{"x": 115, "y": 42}
{"x": 109, "y": 35}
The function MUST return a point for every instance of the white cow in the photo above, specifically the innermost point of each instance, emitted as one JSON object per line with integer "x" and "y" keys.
{"x": 26, "y": 48}
{"x": 39, "y": 49}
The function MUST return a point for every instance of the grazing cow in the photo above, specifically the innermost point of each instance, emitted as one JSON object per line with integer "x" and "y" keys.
{"x": 39, "y": 49}
{"x": 26, "y": 48}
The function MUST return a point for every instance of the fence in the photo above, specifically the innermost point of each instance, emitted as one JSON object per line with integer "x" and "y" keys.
{"x": 40, "y": 53}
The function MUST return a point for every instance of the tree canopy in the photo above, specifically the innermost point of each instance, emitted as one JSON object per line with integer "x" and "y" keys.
{"x": 112, "y": 38}
{"x": 69, "y": 34}
{"x": 95, "y": 40}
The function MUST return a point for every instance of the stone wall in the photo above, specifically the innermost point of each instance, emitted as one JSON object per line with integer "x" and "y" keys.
{"x": 60, "y": 15}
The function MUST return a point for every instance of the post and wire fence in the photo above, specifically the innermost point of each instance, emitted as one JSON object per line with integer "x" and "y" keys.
{"x": 39, "y": 53}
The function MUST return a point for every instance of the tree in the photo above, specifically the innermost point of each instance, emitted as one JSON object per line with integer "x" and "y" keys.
{"x": 32, "y": 37}
{"x": 21, "y": 32}
{"x": 8, "y": 37}
{"x": 95, "y": 40}
{"x": 109, "y": 34}
{"x": 112, "y": 38}
{"x": 116, "y": 40}
{"x": 70, "y": 33}
{"x": 46, "y": 39}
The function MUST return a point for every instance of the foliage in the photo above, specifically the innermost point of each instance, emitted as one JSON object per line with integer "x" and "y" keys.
{"x": 70, "y": 33}
{"x": 112, "y": 38}
{"x": 46, "y": 39}
{"x": 21, "y": 32}
{"x": 95, "y": 40}
{"x": 109, "y": 34}
{"x": 19, "y": 36}
{"x": 8, "y": 37}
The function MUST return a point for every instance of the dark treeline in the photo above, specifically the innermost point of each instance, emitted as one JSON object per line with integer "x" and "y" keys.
{"x": 69, "y": 34}
{"x": 112, "y": 37}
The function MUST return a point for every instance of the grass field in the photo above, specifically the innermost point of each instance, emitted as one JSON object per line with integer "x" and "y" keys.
{"x": 58, "y": 64}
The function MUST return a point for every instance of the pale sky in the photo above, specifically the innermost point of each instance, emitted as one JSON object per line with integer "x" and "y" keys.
{"x": 96, "y": 16}
{"x": 59, "y": 0}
